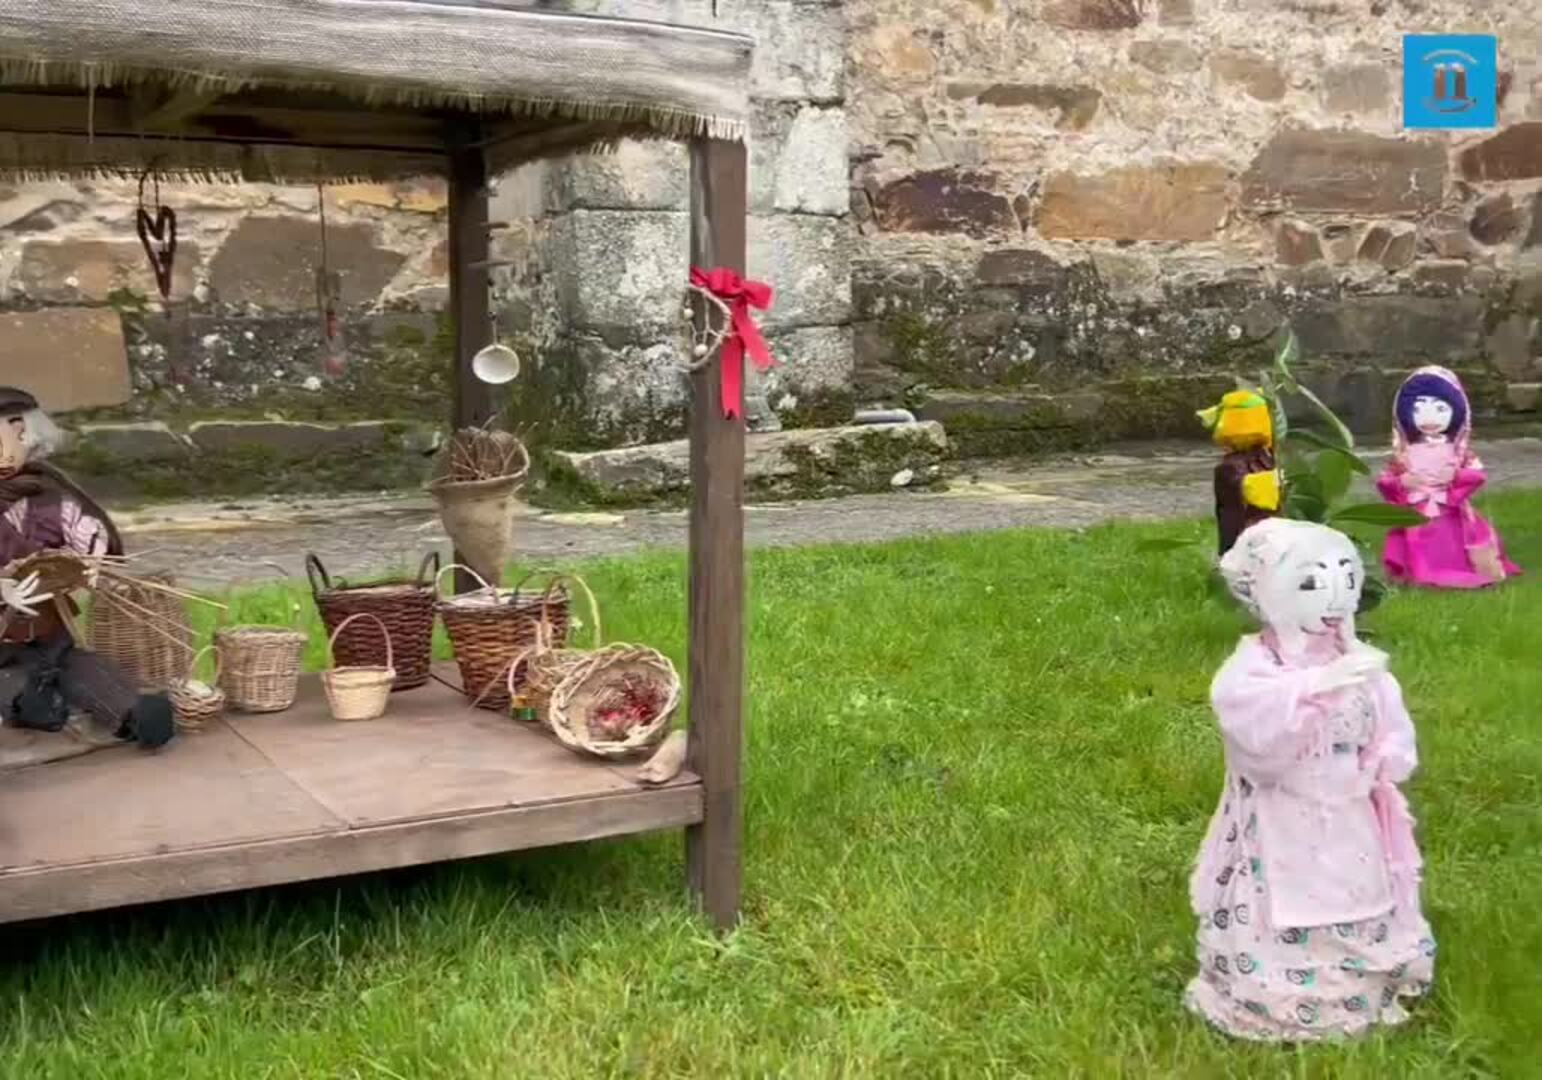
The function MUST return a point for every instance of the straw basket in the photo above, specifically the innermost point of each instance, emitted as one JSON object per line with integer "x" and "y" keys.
{"x": 548, "y": 661}
{"x": 615, "y": 702}
{"x": 361, "y": 692}
{"x": 489, "y": 627}
{"x": 141, "y": 629}
{"x": 405, "y": 607}
{"x": 261, "y": 666}
{"x": 194, "y": 703}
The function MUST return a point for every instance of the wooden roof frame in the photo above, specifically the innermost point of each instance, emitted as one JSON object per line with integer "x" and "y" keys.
{"x": 273, "y": 124}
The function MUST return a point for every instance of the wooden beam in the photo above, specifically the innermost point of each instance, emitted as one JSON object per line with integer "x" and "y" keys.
{"x": 469, "y": 282}
{"x": 714, "y": 866}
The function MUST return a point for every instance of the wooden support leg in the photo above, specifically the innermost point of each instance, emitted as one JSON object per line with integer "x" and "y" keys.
{"x": 469, "y": 301}
{"x": 713, "y": 849}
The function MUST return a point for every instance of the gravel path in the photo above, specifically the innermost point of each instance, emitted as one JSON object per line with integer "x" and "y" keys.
{"x": 213, "y": 545}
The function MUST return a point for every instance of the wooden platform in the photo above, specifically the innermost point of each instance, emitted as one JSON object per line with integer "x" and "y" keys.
{"x": 265, "y": 799}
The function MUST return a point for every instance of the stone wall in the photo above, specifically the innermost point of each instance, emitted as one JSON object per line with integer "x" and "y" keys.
{"x": 1076, "y": 216}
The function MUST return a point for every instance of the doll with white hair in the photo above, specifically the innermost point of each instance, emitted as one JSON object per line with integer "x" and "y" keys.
{"x": 43, "y": 676}
{"x": 1307, "y": 884}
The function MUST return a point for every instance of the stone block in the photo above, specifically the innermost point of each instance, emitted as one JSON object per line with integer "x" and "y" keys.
{"x": 809, "y": 359}
{"x": 1433, "y": 329}
{"x": 1510, "y": 345}
{"x": 1074, "y": 106}
{"x": 1095, "y": 14}
{"x": 148, "y": 441}
{"x": 1172, "y": 202}
{"x": 1177, "y": 12}
{"x": 1524, "y": 397}
{"x": 411, "y": 196}
{"x": 945, "y": 201}
{"x": 621, "y": 272}
{"x": 1165, "y": 57}
{"x": 804, "y": 462}
{"x": 1392, "y": 244}
{"x": 798, "y": 160}
{"x": 286, "y": 439}
{"x": 1497, "y": 219}
{"x": 1345, "y": 171}
{"x": 1257, "y": 76}
{"x": 808, "y": 59}
{"x": 271, "y": 262}
{"x": 1513, "y": 154}
{"x": 636, "y": 176}
{"x": 69, "y": 358}
{"x": 1296, "y": 243}
{"x": 807, "y": 261}
{"x": 1022, "y": 268}
{"x": 76, "y": 271}
{"x": 1356, "y": 88}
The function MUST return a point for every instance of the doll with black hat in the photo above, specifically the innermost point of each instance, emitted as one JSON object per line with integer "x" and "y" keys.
{"x": 44, "y": 676}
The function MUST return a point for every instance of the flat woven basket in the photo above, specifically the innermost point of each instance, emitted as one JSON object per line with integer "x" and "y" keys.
{"x": 195, "y": 703}
{"x": 489, "y": 627}
{"x": 359, "y": 692}
{"x": 260, "y": 666}
{"x": 405, "y": 607}
{"x": 142, "y": 630}
{"x": 615, "y": 702}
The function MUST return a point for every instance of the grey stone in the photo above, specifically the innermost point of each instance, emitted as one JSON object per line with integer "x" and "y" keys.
{"x": 288, "y": 439}
{"x": 149, "y": 441}
{"x": 1510, "y": 346}
{"x": 1439, "y": 329}
{"x": 622, "y": 272}
{"x": 73, "y": 271}
{"x": 271, "y": 262}
{"x": 807, "y": 262}
{"x": 810, "y": 173}
{"x": 1346, "y": 171}
{"x": 635, "y": 176}
{"x": 809, "y": 359}
{"x": 1165, "y": 57}
{"x": 70, "y": 358}
{"x": 1356, "y": 88}
{"x": 836, "y": 456}
{"x": 1523, "y": 397}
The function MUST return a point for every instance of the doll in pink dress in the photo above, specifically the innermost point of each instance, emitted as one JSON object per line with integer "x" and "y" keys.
{"x": 1434, "y": 470}
{"x": 1307, "y": 885}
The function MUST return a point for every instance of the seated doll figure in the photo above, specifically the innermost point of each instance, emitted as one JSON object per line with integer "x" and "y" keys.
{"x": 1307, "y": 884}
{"x": 1247, "y": 484}
{"x": 43, "y": 676}
{"x": 1434, "y": 470}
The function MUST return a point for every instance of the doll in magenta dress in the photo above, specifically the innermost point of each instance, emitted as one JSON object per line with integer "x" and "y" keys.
{"x": 1433, "y": 470}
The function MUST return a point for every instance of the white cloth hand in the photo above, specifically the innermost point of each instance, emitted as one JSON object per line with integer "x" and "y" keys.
{"x": 1360, "y": 665}
{"x": 21, "y": 596}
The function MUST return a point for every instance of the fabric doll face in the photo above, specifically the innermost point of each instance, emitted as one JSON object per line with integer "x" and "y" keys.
{"x": 1432, "y": 416}
{"x": 13, "y": 444}
{"x": 1301, "y": 580}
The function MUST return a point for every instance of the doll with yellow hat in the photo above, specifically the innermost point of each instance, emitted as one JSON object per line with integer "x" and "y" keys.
{"x": 1247, "y": 482}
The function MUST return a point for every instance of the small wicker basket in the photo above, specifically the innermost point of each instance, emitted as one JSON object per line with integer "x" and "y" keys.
{"x": 543, "y": 666}
{"x": 615, "y": 702}
{"x": 142, "y": 630}
{"x": 195, "y": 703}
{"x": 261, "y": 666}
{"x": 489, "y": 627}
{"x": 360, "y": 692}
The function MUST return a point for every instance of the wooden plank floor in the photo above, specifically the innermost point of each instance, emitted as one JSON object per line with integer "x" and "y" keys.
{"x": 265, "y": 799}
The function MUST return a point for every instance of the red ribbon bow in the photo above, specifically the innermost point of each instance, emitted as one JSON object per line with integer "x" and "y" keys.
{"x": 740, "y": 295}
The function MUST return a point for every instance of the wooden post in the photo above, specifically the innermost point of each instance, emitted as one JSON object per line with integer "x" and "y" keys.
{"x": 719, "y": 198}
{"x": 469, "y": 284}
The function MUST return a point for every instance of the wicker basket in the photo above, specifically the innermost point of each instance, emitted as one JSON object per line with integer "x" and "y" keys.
{"x": 142, "y": 630}
{"x": 489, "y": 627}
{"x": 195, "y": 703}
{"x": 405, "y": 607}
{"x": 359, "y": 692}
{"x": 261, "y": 666}
{"x": 549, "y": 660}
{"x": 615, "y": 680}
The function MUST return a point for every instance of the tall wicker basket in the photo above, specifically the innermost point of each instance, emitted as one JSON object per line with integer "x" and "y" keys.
{"x": 143, "y": 630}
{"x": 489, "y": 627}
{"x": 404, "y": 606}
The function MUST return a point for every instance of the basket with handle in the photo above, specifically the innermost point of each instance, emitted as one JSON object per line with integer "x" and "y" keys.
{"x": 359, "y": 692}
{"x": 142, "y": 629}
{"x": 195, "y": 703}
{"x": 488, "y": 627}
{"x": 404, "y": 606}
{"x": 615, "y": 701}
{"x": 260, "y": 664}
{"x": 536, "y": 673}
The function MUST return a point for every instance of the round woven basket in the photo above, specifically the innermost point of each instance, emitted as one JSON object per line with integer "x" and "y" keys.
{"x": 194, "y": 703}
{"x": 261, "y": 666}
{"x": 142, "y": 630}
{"x": 488, "y": 627}
{"x": 615, "y": 701}
{"x": 549, "y": 660}
{"x": 359, "y": 692}
{"x": 405, "y": 607}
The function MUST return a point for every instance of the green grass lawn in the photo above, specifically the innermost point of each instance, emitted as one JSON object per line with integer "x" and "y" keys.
{"x": 978, "y": 769}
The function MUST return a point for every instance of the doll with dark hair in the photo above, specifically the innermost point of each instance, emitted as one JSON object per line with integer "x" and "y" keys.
{"x": 43, "y": 676}
{"x": 1434, "y": 470}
